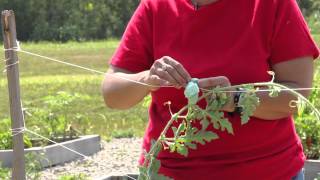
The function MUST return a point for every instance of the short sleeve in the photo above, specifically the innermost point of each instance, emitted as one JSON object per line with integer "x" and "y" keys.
{"x": 291, "y": 37}
{"x": 135, "y": 50}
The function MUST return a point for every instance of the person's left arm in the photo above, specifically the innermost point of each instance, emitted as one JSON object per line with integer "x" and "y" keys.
{"x": 296, "y": 73}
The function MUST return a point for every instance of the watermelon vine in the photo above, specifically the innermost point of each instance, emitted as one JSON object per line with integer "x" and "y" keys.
{"x": 186, "y": 136}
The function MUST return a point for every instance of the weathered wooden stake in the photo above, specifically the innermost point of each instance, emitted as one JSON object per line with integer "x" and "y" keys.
{"x": 10, "y": 41}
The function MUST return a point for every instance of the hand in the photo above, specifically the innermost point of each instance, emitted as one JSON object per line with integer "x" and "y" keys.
{"x": 167, "y": 72}
{"x": 222, "y": 81}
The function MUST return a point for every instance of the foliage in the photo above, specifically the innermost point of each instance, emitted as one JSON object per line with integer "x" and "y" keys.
{"x": 311, "y": 11}
{"x": 308, "y": 127}
{"x": 6, "y": 136}
{"x": 33, "y": 167}
{"x": 86, "y": 19}
{"x": 65, "y": 20}
{"x": 125, "y": 133}
{"x": 308, "y": 7}
{"x": 80, "y": 176}
{"x": 187, "y": 136}
{"x": 5, "y": 173}
{"x": 54, "y": 120}
{"x": 146, "y": 101}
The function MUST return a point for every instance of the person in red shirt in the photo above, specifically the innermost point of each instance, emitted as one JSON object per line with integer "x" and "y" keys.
{"x": 221, "y": 42}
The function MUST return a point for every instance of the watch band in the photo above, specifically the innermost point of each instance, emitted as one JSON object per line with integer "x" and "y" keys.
{"x": 238, "y": 109}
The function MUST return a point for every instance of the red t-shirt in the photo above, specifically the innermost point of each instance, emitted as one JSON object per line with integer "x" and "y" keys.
{"x": 238, "y": 39}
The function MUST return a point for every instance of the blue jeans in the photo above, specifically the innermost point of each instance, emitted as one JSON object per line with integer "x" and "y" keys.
{"x": 299, "y": 176}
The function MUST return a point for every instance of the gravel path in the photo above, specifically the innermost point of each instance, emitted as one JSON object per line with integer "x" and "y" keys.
{"x": 116, "y": 157}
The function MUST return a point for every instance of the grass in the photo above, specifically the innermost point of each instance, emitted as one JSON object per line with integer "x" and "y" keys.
{"x": 89, "y": 54}
{"x": 40, "y": 78}
{"x": 316, "y": 38}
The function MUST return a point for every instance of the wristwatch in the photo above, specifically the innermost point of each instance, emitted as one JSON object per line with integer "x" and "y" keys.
{"x": 238, "y": 109}
{"x": 236, "y": 98}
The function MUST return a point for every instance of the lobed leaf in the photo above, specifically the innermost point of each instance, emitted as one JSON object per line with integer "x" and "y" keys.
{"x": 225, "y": 124}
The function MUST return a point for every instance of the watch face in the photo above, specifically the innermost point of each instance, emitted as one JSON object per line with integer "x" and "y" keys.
{"x": 238, "y": 110}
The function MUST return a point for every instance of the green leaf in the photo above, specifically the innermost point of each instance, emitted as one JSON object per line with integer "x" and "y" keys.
{"x": 191, "y": 145}
{"x": 209, "y": 136}
{"x": 142, "y": 173}
{"x": 155, "y": 165}
{"x": 204, "y": 123}
{"x": 151, "y": 172}
{"x": 174, "y": 129}
{"x": 248, "y": 102}
{"x": 181, "y": 128}
{"x": 216, "y": 125}
{"x": 183, "y": 150}
{"x": 199, "y": 140}
{"x": 204, "y": 136}
{"x": 172, "y": 147}
{"x": 216, "y": 117}
{"x": 225, "y": 124}
{"x": 160, "y": 177}
{"x": 301, "y": 105}
{"x": 275, "y": 90}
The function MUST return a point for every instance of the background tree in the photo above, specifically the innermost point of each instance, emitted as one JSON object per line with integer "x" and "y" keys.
{"x": 63, "y": 20}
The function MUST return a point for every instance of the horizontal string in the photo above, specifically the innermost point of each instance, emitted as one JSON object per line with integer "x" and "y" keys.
{"x": 270, "y": 90}
{"x": 137, "y": 82}
{"x": 12, "y": 49}
{"x": 88, "y": 69}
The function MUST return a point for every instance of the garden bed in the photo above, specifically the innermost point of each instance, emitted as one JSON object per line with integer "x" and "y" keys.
{"x": 54, "y": 154}
{"x": 129, "y": 176}
{"x": 312, "y": 169}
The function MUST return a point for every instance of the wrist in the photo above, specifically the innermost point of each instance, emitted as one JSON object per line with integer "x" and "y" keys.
{"x": 230, "y": 105}
{"x": 236, "y": 99}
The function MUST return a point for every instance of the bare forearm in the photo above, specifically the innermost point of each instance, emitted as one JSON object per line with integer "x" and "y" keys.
{"x": 272, "y": 108}
{"x": 123, "y": 94}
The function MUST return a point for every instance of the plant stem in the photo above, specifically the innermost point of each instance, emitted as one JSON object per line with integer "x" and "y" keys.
{"x": 164, "y": 132}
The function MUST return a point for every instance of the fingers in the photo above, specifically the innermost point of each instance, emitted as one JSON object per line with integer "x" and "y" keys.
{"x": 182, "y": 72}
{"x": 221, "y": 81}
{"x": 163, "y": 75}
{"x": 214, "y": 81}
{"x": 170, "y": 72}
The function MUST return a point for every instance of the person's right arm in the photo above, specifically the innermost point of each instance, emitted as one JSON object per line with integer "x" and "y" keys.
{"x": 119, "y": 93}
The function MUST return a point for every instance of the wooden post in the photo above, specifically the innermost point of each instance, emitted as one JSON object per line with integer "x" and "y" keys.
{"x": 10, "y": 41}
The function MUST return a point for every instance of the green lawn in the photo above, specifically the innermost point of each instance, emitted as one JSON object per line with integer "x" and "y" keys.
{"x": 40, "y": 78}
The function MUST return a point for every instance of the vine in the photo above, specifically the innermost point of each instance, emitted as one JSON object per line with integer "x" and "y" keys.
{"x": 186, "y": 136}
